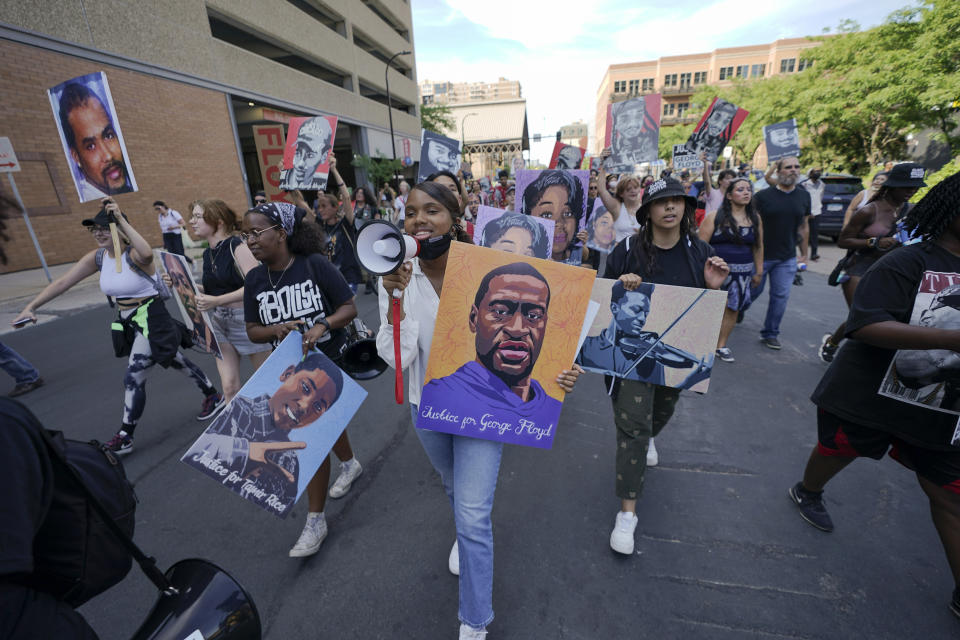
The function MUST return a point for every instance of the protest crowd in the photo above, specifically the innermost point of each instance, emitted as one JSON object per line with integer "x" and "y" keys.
{"x": 588, "y": 242}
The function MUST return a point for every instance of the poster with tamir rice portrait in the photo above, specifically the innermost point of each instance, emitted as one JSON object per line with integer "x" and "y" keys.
{"x": 267, "y": 443}
{"x": 185, "y": 292}
{"x": 90, "y": 134}
{"x": 655, "y": 333}
{"x": 306, "y": 154}
{"x": 506, "y": 327}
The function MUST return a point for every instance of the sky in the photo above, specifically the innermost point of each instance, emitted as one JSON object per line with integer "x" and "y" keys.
{"x": 561, "y": 59}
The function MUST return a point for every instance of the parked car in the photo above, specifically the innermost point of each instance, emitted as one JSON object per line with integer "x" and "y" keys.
{"x": 839, "y": 190}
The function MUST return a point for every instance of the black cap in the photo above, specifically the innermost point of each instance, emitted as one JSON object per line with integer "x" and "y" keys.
{"x": 662, "y": 188}
{"x": 906, "y": 174}
{"x": 102, "y": 219}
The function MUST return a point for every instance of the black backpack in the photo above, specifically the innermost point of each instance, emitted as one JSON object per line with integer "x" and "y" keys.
{"x": 84, "y": 545}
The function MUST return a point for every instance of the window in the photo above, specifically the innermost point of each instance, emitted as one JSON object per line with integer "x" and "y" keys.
{"x": 804, "y": 64}
{"x": 682, "y": 109}
{"x": 743, "y": 71}
{"x": 634, "y": 86}
{"x": 648, "y": 84}
{"x": 439, "y": 88}
{"x": 685, "y": 79}
{"x": 670, "y": 80}
{"x": 787, "y": 64}
{"x": 700, "y": 77}
{"x": 668, "y": 108}
{"x": 428, "y": 99}
{"x": 726, "y": 73}
{"x": 619, "y": 86}
{"x": 758, "y": 70}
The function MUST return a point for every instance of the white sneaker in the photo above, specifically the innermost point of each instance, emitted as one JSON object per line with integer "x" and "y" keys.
{"x": 653, "y": 459}
{"x": 621, "y": 539}
{"x": 469, "y": 633}
{"x": 350, "y": 470}
{"x": 453, "y": 562}
{"x": 314, "y": 531}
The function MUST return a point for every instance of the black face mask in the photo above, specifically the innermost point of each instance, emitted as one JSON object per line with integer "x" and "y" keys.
{"x": 433, "y": 248}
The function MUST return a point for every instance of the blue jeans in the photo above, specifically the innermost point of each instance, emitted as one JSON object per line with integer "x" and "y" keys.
{"x": 781, "y": 274}
{"x": 13, "y": 363}
{"x": 468, "y": 468}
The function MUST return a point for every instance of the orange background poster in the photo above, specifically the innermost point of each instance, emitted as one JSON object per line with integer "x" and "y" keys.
{"x": 453, "y": 343}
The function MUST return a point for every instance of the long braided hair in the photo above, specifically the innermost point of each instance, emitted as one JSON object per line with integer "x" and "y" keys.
{"x": 936, "y": 211}
{"x": 724, "y": 218}
{"x": 645, "y": 235}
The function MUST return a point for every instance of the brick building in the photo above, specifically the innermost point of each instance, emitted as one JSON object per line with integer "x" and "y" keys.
{"x": 189, "y": 80}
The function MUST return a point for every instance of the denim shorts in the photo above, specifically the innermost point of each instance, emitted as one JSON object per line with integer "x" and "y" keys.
{"x": 229, "y": 326}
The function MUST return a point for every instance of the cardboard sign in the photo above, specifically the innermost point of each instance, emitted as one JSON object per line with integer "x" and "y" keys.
{"x": 560, "y": 196}
{"x": 269, "y": 141}
{"x": 566, "y": 156}
{"x": 185, "y": 292}
{"x": 91, "y": 137}
{"x": 513, "y": 232}
{"x": 632, "y": 132}
{"x": 716, "y": 128}
{"x": 267, "y": 443}
{"x": 683, "y": 158}
{"x": 506, "y": 327}
{"x": 8, "y": 159}
{"x": 438, "y": 153}
{"x": 306, "y": 155}
{"x": 657, "y": 333}
{"x": 782, "y": 140}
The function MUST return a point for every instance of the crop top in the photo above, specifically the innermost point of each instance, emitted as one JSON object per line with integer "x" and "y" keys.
{"x": 126, "y": 284}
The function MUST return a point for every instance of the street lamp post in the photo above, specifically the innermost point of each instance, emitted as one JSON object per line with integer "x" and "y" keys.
{"x": 463, "y": 135}
{"x": 386, "y": 77}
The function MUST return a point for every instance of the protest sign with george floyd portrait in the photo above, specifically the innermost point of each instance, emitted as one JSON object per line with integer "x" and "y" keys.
{"x": 507, "y": 325}
{"x": 90, "y": 134}
{"x": 438, "y": 153}
{"x": 272, "y": 437}
{"x": 782, "y": 140}
{"x": 307, "y": 152}
{"x": 716, "y": 128}
{"x": 632, "y": 133}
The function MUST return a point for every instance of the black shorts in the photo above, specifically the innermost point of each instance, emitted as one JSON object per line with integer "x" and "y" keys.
{"x": 840, "y": 438}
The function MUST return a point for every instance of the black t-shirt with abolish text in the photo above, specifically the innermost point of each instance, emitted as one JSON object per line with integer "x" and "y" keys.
{"x": 341, "y": 240}
{"x": 782, "y": 212}
{"x": 310, "y": 289}
{"x": 849, "y": 388}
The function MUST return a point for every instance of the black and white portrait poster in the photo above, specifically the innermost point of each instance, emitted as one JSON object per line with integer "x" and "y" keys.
{"x": 306, "y": 155}
{"x": 656, "y": 333}
{"x": 929, "y": 378}
{"x": 90, "y": 134}
{"x": 716, "y": 128}
{"x": 438, "y": 153}
{"x": 633, "y": 132}
{"x": 566, "y": 156}
{"x": 782, "y": 140}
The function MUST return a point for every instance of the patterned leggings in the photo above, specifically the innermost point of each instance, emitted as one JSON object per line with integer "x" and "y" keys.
{"x": 640, "y": 411}
{"x": 135, "y": 379}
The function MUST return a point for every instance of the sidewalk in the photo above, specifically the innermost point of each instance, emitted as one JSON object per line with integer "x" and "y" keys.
{"x": 17, "y": 289}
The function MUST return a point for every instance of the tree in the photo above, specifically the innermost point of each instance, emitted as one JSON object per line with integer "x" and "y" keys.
{"x": 436, "y": 118}
{"x": 379, "y": 169}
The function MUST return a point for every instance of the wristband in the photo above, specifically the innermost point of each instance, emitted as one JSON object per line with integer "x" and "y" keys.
{"x": 871, "y": 243}
{"x": 325, "y": 323}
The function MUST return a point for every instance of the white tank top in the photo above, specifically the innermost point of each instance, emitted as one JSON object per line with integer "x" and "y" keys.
{"x": 626, "y": 224}
{"x": 864, "y": 200}
{"x": 126, "y": 284}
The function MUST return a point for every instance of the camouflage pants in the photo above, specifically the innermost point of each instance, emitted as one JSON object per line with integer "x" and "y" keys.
{"x": 640, "y": 412}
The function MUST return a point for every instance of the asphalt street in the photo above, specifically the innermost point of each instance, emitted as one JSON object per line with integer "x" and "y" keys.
{"x": 721, "y": 552}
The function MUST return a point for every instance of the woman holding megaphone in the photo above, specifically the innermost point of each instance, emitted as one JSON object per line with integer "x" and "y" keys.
{"x": 468, "y": 467}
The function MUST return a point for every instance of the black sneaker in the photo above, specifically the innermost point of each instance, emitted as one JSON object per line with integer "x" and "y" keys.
{"x": 798, "y": 280}
{"x": 121, "y": 444}
{"x": 770, "y": 343}
{"x": 211, "y": 406}
{"x": 955, "y": 604}
{"x": 811, "y": 507}
{"x": 25, "y": 387}
{"x": 827, "y": 349}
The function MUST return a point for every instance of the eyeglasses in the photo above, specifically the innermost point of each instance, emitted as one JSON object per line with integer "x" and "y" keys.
{"x": 259, "y": 201}
{"x": 97, "y": 229}
{"x": 255, "y": 234}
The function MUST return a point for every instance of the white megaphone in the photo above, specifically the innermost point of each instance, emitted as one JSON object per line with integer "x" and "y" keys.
{"x": 382, "y": 248}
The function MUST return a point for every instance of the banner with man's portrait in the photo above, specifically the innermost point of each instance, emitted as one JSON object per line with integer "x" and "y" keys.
{"x": 632, "y": 132}
{"x": 267, "y": 443}
{"x": 560, "y": 196}
{"x": 566, "y": 156}
{"x": 782, "y": 140}
{"x": 506, "y": 327}
{"x": 185, "y": 292}
{"x": 91, "y": 137}
{"x": 513, "y": 232}
{"x": 438, "y": 153}
{"x": 656, "y": 333}
{"x": 306, "y": 155}
{"x": 716, "y": 128}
